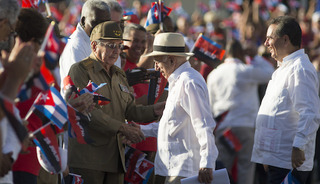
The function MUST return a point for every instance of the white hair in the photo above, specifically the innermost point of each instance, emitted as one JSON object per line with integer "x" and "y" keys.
{"x": 88, "y": 9}
{"x": 9, "y": 9}
{"x": 114, "y": 6}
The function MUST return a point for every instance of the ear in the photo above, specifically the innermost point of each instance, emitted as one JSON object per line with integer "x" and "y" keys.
{"x": 83, "y": 21}
{"x": 93, "y": 46}
{"x": 286, "y": 40}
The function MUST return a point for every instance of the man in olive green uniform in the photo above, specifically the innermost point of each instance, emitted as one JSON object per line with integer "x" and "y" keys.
{"x": 103, "y": 161}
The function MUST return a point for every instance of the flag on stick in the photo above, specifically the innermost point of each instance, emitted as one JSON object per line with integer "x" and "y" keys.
{"x": 207, "y": 50}
{"x": 53, "y": 106}
{"x": 46, "y": 140}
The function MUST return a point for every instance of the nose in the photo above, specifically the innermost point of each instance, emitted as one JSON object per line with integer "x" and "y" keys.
{"x": 266, "y": 43}
{"x": 156, "y": 67}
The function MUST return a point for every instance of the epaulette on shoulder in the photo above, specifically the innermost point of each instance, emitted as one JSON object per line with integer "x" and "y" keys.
{"x": 120, "y": 71}
{"x": 87, "y": 63}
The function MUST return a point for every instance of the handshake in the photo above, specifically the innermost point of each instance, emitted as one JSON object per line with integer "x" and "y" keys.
{"x": 140, "y": 75}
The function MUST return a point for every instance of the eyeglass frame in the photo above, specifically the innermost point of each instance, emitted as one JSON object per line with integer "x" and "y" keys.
{"x": 108, "y": 44}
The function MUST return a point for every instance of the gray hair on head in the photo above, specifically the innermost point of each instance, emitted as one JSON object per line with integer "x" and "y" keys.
{"x": 132, "y": 26}
{"x": 114, "y": 6}
{"x": 9, "y": 9}
{"x": 88, "y": 9}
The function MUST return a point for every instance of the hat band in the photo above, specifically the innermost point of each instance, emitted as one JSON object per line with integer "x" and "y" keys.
{"x": 168, "y": 49}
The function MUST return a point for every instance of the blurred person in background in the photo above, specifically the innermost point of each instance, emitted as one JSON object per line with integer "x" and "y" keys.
{"x": 233, "y": 89}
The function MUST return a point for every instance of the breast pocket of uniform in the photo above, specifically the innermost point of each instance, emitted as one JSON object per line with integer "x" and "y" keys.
{"x": 125, "y": 93}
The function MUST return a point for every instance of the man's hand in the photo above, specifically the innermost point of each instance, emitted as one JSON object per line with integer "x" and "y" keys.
{"x": 83, "y": 103}
{"x": 18, "y": 63}
{"x": 297, "y": 157}
{"x": 131, "y": 133}
{"x": 205, "y": 175}
{"x": 6, "y": 164}
{"x": 158, "y": 108}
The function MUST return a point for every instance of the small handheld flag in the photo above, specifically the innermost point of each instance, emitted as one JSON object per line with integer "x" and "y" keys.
{"x": 207, "y": 50}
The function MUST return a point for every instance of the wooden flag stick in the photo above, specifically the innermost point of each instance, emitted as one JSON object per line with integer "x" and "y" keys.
{"x": 36, "y": 131}
{"x": 46, "y": 38}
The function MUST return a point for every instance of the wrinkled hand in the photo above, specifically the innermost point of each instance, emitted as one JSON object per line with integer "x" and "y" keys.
{"x": 297, "y": 157}
{"x": 158, "y": 108}
{"x": 205, "y": 175}
{"x": 131, "y": 133}
{"x": 83, "y": 103}
{"x": 6, "y": 164}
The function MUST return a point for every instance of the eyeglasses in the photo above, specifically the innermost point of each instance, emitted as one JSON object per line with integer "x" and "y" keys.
{"x": 111, "y": 45}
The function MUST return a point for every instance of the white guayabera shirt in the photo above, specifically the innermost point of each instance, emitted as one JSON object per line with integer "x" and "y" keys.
{"x": 185, "y": 135}
{"x": 289, "y": 114}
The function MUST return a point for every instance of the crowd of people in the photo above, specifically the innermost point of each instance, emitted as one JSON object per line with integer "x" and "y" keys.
{"x": 263, "y": 94}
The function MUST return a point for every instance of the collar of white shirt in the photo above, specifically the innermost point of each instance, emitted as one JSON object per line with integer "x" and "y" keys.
{"x": 175, "y": 75}
{"x": 82, "y": 34}
{"x": 291, "y": 56}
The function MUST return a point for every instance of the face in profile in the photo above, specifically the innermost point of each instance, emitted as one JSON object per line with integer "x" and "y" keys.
{"x": 274, "y": 43}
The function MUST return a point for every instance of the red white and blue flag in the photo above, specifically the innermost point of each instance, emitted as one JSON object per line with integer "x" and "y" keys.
{"x": 53, "y": 106}
{"x": 47, "y": 141}
{"x": 73, "y": 179}
{"x": 53, "y": 51}
{"x": 157, "y": 10}
{"x": 207, "y": 50}
{"x": 290, "y": 179}
{"x": 27, "y": 89}
{"x": 133, "y": 158}
{"x": 31, "y": 3}
{"x": 92, "y": 88}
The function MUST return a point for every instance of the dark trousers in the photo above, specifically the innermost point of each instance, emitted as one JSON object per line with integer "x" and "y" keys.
{"x": 20, "y": 177}
{"x": 276, "y": 175}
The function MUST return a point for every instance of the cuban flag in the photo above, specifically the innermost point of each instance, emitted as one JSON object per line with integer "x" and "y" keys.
{"x": 53, "y": 106}
{"x": 133, "y": 158}
{"x": 30, "y": 3}
{"x": 153, "y": 16}
{"x": 92, "y": 88}
{"x": 290, "y": 179}
{"x": 47, "y": 141}
{"x": 73, "y": 179}
{"x": 27, "y": 89}
{"x": 52, "y": 51}
{"x": 144, "y": 168}
{"x": 207, "y": 50}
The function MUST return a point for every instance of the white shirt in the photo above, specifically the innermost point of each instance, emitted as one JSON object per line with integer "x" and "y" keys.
{"x": 288, "y": 115}
{"x": 185, "y": 136}
{"x": 233, "y": 86}
{"x": 10, "y": 143}
{"x": 77, "y": 49}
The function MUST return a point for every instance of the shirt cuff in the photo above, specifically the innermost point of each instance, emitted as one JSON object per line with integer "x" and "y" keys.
{"x": 299, "y": 142}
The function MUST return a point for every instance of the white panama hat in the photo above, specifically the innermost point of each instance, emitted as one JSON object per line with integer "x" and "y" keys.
{"x": 169, "y": 44}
